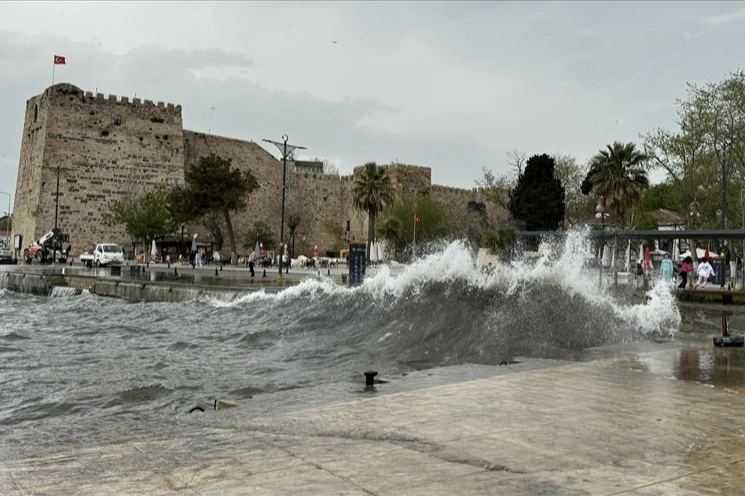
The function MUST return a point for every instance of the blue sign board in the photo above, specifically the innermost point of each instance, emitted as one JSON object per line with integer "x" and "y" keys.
{"x": 356, "y": 263}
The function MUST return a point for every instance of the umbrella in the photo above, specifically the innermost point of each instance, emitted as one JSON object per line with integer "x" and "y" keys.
{"x": 381, "y": 252}
{"x": 606, "y": 256}
{"x": 261, "y": 250}
{"x": 706, "y": 254}
{"x": 257, "y": 249}
{"x": 315, "y": 252}
{"x": 194, "y": 243}
{"x": 627, "y": 263}
{"x": 647, "y": 259}
{"x": 154, "y": 250}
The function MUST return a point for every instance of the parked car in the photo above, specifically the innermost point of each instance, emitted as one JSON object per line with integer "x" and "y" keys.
{"x": 6, "y": 256}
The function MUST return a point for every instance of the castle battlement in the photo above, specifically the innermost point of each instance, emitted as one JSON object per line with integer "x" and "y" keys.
{"x": 100, "y": 98}
{"x": 113, "y": 141}
{"x": 455, "y": 190}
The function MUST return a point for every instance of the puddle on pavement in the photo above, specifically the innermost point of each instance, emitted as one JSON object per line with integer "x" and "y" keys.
{"x": 695, "y": 358}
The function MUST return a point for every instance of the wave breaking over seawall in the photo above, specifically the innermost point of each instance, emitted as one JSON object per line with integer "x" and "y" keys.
{"x": 80, "y": 356}
{"x": 447, "y": 307}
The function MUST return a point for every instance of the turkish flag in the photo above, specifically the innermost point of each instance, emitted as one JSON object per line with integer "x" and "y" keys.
{"x": 417, "y": 220}
{"x": 58, "y": 59}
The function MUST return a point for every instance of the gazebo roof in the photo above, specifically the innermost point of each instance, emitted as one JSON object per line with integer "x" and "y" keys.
{"x": 665, "y": 217}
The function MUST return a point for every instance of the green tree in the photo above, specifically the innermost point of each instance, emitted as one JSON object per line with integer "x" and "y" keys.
{"x": 438, "y": 222}
{"x": 373, "y": 190}
{"x": 498, "y": 241}
{"x": 665, "y": 195}
{"x": 712, "y": 115}
{"x": 145, "y": 217}
{"x": 538, "y": 196}
{"x": 571, "y": 174}
{"x": 212, "y": 185}
{"x": 260, "y": 233}
{"x": 618, "y": 177}
{"x": 497, "y": 188}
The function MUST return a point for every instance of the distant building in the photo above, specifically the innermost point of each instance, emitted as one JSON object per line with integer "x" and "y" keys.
{"x": 668, "y": 220}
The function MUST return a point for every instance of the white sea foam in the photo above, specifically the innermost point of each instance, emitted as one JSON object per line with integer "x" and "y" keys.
{"x": 563, "y": 268}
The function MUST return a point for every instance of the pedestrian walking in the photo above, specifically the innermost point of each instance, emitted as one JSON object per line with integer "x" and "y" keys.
{"x": 704, "y": 272}
{"x": 686, "y": 266}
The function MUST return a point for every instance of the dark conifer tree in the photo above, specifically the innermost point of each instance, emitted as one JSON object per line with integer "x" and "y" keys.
{"x": 538, "y": 198}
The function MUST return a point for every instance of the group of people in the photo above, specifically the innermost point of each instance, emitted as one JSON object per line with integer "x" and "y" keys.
{"x": 705, "y": 271}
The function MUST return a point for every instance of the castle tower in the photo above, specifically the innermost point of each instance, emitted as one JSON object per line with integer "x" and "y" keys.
{"x": 100, "y": 148}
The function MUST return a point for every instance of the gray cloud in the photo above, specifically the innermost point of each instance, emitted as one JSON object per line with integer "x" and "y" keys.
{"x": 450, "y": 85}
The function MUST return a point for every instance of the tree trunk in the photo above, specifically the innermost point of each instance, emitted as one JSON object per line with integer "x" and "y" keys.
{"x": 231, "y": 237}
{"x": 370, "y": 232}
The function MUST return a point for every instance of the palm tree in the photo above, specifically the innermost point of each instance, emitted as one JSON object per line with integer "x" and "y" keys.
{"x": 617, "y": 175}
{"x": 372, "y": 191}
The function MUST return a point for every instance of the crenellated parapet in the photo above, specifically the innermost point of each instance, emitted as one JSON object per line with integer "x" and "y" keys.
{"x": 66, "y": 90}
{"x": 107, "y": 143}
{"x": 451, "y": 190}
{"x": 167, "y": 108}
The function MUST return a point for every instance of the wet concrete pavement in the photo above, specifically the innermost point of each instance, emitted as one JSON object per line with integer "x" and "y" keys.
{"x": 638, "y": 419}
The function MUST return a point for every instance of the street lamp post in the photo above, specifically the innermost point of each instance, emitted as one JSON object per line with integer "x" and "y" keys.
{"x": 181, "y": 243}
{"x": 724, "y": 198}
{"x": 286, "y": 150}
{"x": 600, "y": 209}
{"x": 724, "y": 186}
{"x": 7, "y": 223}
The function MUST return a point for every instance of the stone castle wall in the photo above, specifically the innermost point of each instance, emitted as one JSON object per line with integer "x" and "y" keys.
{"x": 29, "y": 182}
{"x": 103, "y": 147}
{"x": 107, "y": 146}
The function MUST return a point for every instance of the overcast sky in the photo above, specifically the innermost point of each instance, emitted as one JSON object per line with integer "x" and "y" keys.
{"x": 449, "y": 85}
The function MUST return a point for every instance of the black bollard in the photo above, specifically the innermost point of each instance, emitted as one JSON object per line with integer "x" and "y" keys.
{"x": 329, "y": 272}
{"x": 216, "y": 272}
{"x": 370, "y": 377}
{"x": 175, "y": 271}
{"x": 264, "y": 276}
{"x": 221, "y": 266}
{"x": 169, "y": 264}
{"x": 148, "y": 264}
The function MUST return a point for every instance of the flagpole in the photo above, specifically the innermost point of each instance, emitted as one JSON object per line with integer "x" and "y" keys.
{"x": 413, "y": 255}
{"x": 53, "y": 66}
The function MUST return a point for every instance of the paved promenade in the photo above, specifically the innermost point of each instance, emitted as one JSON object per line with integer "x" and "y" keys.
{"x": 618, "y": 425}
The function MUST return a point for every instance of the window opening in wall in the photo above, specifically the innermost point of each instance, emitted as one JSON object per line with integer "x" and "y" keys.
{"x": 118, "y": 121}
{"x": 36, "y": 112}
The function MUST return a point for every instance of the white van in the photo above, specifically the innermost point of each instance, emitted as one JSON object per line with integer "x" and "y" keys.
{"x": 104, "y": 254}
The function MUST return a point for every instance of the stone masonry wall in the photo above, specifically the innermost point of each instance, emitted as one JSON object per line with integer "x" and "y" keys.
{"x": 103, "y": 148}
{"x": 263, "y": 204}
{"x": 28, "y": 183}
{"x": 107, "y": 146}
{"x": 321, "y": 202}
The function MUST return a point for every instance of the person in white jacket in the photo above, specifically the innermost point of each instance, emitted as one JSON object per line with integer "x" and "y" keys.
{"x": 704, "y": 271}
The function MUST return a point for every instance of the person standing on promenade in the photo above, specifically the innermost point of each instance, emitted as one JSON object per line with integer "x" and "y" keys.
{"x": 251, "y": 259}
{"x": 704, "y": 271}
{"x": 686, "y": 266}
{"x": 666, "y": 269}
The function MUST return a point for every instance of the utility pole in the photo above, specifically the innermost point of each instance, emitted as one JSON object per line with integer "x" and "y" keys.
{"x": 56, "y": 201}
{"x": 286, "y": 150}
{"x": 7, "y": 221}
{"x": 724, "y": 186}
